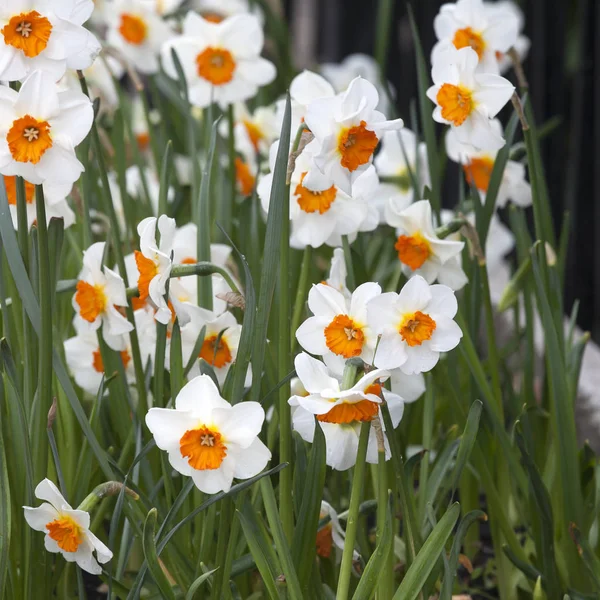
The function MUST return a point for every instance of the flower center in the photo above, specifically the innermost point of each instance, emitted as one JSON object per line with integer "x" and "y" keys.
{"x": 310, "y": 201}
{"x": 344, "y": 413}
{"x": 28, "y": 32}
{"x": 417, "y": 328}
{"x": 243, "y": 175}
{"x": 413, "y": 250}
{"x": 254, "y": 133}
{"x": 148, "y": 270}
{"x": 66, "y": 533}
{"x": 10, "y": 184}
{"x": 356, "y": 145}
{"x": 133, "y": 29}
{"x": 216, "y": 354}
{"x": 324, "y": 541}
{"x": 374, "y": 388}
{"x": 456, "y": 103}
{"x": 98, "y": 364}
{"x": 344, "y": 337}
{"x": 143, "y": 140}
{"x": 466, "y": 37}
{"x": 216, "y": 65}
{"x": 479, "y": 172}
{"x": 91, "y": 300}
{"x": 204, "y": 447}
{"x": 28, "y": 139}
{"x": 212, "y": 17}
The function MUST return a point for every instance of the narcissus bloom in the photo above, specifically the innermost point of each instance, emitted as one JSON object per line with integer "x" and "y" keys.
{"x": 465, "y": 99}
{"x": 523, "y": 43}
{"x": 154, "y": 263}
{"x": 331, "y": 534}
{"x": 100, "y": 293}
{"x": 415, "y": 325}
{"x": 208, "y": 439}
{"x": 256, "y": 130}
{"x": 67, "y": 529}
{"x": 338, "y": 273}
{"x": 45, "y": 35}
{"x": 39, "y": 129}
{"x": 470, "y": 24}
{"x": 347, "y": 129}
{"x": 138, "y": 32}
{"x": 420, "y": 250}
{"x": 338, "y": 329}
{"x": 221, "y": 61}
{"x": 478, "y": 167}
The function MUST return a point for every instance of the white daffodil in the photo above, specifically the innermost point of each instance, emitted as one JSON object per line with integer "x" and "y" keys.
{"x": 39, "y": 129}
{"x": 322, "y": 214}
{"x": 465, "y": 99}
{"x": 331, "y": 534}
{"x": 470, "y": 24}
{"x": 420, "y": 250}
{"x": 478, "y": 167}
{"x": 154, "y": 263}
{"x": 415, "y": 325}
{"x": 338, "y": 273}
{"x": 399, "y": 155}
{"x": 216, "y": 11}
{"x": 255, "y": 130}
{"x": 46, "y": 36}
{"x": 100, "y": 291}
{"x": 347, "y": 129}
{"x": 221, "y": 61}
{"x": 523, "y": 43}
{"x": 340, "y": 413}
{"x": 208, "y": 439}
{"x": 338, "y": 329}
{"x": 55, "y": 207}
{"x": 137, "y": 31}
{"x": 67, "y": 529}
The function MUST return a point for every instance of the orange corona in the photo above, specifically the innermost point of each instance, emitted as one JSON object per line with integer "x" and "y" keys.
{"x": 417, "y": 328}
{"x": 28, "y": 32}
{"x": 133, "y": 29}
{"x": 28, "y": 139}
{"x": 479, "y": 172}
{"x": 344, "y": 337}
{"x": 66, "y": 533}
{"x": 216, "y": 65}
{"x": 216, "y": 354}
{"x": 356, "y": 145}
{"x": 456, "y": 103}
{"x": 467, "y": 38}
{"x": 91, "y": 300}
{"x": 203, "y": 447}
{"x": 413, "y": 250}
{"x": 147, "y": 270}
{"x": 345, "y": 413}
{"x": 310, "y": 201}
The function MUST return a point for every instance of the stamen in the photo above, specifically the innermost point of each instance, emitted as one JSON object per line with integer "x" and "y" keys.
{"x": 24, "y": 29}
{"x": 31, "y": 133}
{"x": 207, "y": 440}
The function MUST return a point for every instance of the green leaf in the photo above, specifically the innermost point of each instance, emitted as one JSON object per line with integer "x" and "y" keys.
{"x": 467, "y": 442}
{"x": 511, "y": 292}
{"x": 149, "y": 545}
{"x": 526, "y": 568}
{"x": 426, "y": 559}
{"x": 166, "y": 171}
{"x": 590, "y": 560}
{"x": 197, "y": 583}
{"x": 5, "y": 508}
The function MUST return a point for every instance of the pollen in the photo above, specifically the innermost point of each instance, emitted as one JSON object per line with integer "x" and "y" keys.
{"x": 467, "y": 38}
{"x": 244, "y": 178}
{"x": 215, "y": 353}
{"x": 311, "y": 202}
{"x": 91, "y": 300}
{"x": 216, "y": 65}
{"x": 345, "y": 413}
{"x": 203, "y": 447}
{"x": 413, "y": 250}
{"x": 456, "y": 103}
{"x": 28, "y": 139}
{"x": 417, "y": 328}
{"x": 479, "y": 172}
{"x": 133, "y": 29}
{"x": 66, "y": 533}
{"x": 344, "y": 337}
{"x": 28, "y": 32}
{"x": 148, "y": 270}
{"x": 356, "y": 145}
{"x": 324, "y": 541}
{"x": 10, "y": 184}
{"x": 98, "y": 363}
{"x": 254, "y": 133}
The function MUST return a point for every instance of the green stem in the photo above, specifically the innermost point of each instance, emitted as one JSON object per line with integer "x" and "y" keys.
{"x": 351, "y": 281}
{"x": 385, "y": 588}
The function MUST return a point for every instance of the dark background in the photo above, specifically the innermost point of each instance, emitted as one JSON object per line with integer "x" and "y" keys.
{"x": 564, "y": 80}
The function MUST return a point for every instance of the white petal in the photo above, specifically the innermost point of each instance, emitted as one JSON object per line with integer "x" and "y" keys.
{"x": 251, "y": 460}
{"x": 313, "y": 374}
{"x": 241, "y": 423}
{"x": 38, "y": 518}
{"x": 311, "y": 337}
{"x": 200, "y": 396}
{"x": 168, "y": 426}
{"x": 46, "y": 490}
{"x": 342, "y": 445}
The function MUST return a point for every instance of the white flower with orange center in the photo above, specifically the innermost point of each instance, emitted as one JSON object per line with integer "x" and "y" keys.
{"x": 208, "y": 439}
{"x": 39, "y": 130}
{"x": 331, "y": 534}
{"x": 338, "y": 329}
{"x": 136, "y": 29}
{"x": 50, "y": 36}
{"x": 420, "y": 250}
{"x": 340, "y": 413}
{"x": 523, "y": 43}
{"x": 466, "y": 99}
{"x": 479, "y": 165}
{"x": 347, "y": 129}
{"x": 254, "y": 131}
{"x": 154, "y": 263}
{"x": 67, "y": 529}
{"x": 471, "y": 24}
{"x": 99, "y": 297}
{"x": 322, "y": 214}
{"x": 415, "y": 325}
{"x": 221, "y": 61}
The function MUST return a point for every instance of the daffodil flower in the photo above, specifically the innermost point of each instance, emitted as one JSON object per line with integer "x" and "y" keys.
{"x": 221, "y": 61}
{"x": 415, "y": 325}
{"x": 216, "y": 11}
{"x": 338, "y": 273}
{"x": 522, "y": 44}
{"x": 49, "y": 36}
{"x": 67, "y": 530}
{"x": 208, "y": 439}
